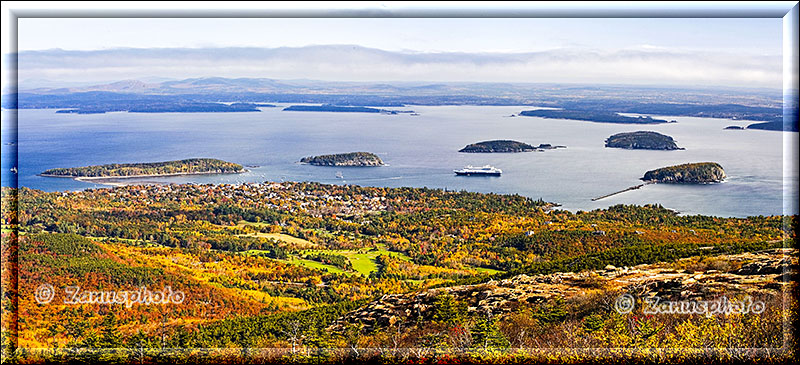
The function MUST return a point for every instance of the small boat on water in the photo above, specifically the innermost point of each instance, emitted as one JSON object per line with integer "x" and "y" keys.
{"x": 479, "y": 171}
{"x": 339, "y": 175}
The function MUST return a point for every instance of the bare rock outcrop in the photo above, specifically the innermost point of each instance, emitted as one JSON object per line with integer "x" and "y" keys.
{"x": 762, "y": 272}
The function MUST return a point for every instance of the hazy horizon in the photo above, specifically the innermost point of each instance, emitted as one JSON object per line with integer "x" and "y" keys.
{"x": 736, "y": 52}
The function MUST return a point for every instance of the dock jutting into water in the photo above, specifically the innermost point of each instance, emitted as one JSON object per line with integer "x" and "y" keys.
{"x": 622, "y": 191}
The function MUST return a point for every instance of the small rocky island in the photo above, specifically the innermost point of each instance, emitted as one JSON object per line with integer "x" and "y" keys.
{"x": 148, "y": 169}
{"x": 642, "y": 140}
{"x": 505, "y": 146}
{"x": 690, "y": 173}
{"x": 344, "y": 159}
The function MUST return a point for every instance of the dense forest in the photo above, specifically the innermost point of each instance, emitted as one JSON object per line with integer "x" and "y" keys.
{"x": 286, "y": 265}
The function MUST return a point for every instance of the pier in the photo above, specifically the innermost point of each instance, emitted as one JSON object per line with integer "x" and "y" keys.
{"x": 624, "y": 190}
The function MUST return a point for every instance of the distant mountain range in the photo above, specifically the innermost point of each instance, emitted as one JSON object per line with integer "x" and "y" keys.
{"x": 206, "y": 85}
{"x": 219, "y": 94}
{"x": 523, "y": 93}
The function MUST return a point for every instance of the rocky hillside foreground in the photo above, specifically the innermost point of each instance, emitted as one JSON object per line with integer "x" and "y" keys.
{"x": 765, "y": 272}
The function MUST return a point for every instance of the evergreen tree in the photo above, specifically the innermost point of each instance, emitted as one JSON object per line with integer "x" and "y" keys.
{"x": 486, "y": 334}
{"x": 448, "y": 310}
{"x": 109, "y": 332}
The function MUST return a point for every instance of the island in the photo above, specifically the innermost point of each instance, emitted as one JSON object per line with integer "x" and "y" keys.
{"x": 355, "y": 159}
{"x": 498, "y": 146}
{"x": 690, "y": 173}
{"x": 642, "y": 140}
{"x": 505, "y": 146}
{"x": 592, "y": 116}
{"x": 342, "y": 109}
{"x": 190, "y": 166}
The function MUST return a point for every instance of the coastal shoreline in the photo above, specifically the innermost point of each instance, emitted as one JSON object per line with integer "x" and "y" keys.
{"x": 111, "y": 180}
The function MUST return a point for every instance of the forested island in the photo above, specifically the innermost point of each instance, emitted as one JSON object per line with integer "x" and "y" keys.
{"x": 179, "y": 167}
{"x": 497, "y": 146}
{"x": 642, "y": 140}
{"x": 592, "y": 116}
{"x": 341, "y": 109}
{"x": 690, "y": 173}
{"x": 344, "y": 159}
{"x": 505, "y": 146}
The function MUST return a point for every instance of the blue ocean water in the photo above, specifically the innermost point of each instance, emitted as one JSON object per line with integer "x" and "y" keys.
{"x": 421, "y": 151}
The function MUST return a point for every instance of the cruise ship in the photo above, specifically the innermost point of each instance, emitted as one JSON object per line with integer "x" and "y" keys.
{"x": 486, "y": 171}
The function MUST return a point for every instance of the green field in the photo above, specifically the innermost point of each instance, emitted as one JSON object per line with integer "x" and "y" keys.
{"x": 295, "y": 260}
{"x": 363, "y": 260}
{"x": 485, "y": 270}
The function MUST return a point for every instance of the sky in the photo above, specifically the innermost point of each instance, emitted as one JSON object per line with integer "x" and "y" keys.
{"x": 760, "y": 36}
{"x": 738, "y": 52}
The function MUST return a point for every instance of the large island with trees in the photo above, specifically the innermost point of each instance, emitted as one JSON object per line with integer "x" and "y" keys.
{"x": 689, "y": 173}
{"x": 166, "y": 168}
{"x": 498, "y": 146}
{"x": 642, "y": 140}
{"x": 358, "y": 159}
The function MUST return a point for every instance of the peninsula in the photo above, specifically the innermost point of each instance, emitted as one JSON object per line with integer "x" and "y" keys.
{"x": 355, "y": 159}
{"x": 167, "y": 107}
{"x": 149, "y": 169}
{"x": 642, "y": 140}
{"x": 342, "y": 109}
{"x": 690, "y": 173}
{"x": 592, "y": 116}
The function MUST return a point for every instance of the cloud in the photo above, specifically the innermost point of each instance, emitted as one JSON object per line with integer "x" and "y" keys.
{"x": 644, "y": 65}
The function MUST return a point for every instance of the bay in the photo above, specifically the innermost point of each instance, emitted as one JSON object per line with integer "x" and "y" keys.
{"x": 420, "y": 151}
